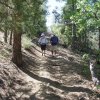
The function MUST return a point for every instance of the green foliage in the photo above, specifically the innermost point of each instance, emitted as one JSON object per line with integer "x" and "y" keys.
{"x": 85, "y": 15}
{"x": 98, "y": 86}
{"x": 86, "y": 71}
{"x": 85, "y": 57}
{"x": 98, "y": 70}
{"x": 4, "y": 53}
{"x": 63, "y": 32}
{"x": 97, "y": 53}
{"x": 26, "y": 42}
{"x": 85, "y": 68}
{"x": 29, "y": 15}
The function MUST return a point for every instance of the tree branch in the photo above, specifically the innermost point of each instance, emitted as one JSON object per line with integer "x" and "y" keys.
{"x": 95, "y": 15}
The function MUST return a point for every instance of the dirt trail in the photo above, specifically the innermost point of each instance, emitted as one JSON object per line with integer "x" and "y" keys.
{"x": 44, "y": 78}
{"x": 61, "y": 76}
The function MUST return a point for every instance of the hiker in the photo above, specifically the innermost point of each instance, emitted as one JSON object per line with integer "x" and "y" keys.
{"x": 54, "y": 41}
{"x": 43, "y": 42}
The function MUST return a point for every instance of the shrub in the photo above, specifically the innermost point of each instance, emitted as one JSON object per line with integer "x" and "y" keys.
{"x": 26, "y": 42}
{"x": 97, "y": 52}
{"x": 86, "y": 71}
{"x": 85, "y": 68}
{"x": 85, "y": 57}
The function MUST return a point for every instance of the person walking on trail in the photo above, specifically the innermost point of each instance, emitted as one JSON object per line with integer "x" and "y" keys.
{"x": 43, "y": 43}
{"x": 54, "y": 42}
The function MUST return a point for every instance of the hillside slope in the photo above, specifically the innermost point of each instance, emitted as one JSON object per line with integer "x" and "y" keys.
{"x": 14, "y": 84}
{"x": 44, "y": 78}
{"x": 62, "y": 75}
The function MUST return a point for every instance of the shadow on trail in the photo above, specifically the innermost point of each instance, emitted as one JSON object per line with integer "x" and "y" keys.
{"x": 64, "y": 65}
{"x": 54, "y": 66}
{"x": 36, "y": 48}
{"x": 57, "y": 84}
{"x": 29, "y": 59}
{"x": 50, "y": 96}
{"x": 32, "y": 51}
{"x": 52, "y": 63}
{"x": 58, "y": 67}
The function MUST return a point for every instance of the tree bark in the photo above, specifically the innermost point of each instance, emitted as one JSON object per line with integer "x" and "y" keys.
{"x": 17, "y": 54}
{"x": 73, "y": 26}
{"x": 5, "y": 36}
{"x": 10, "y": 40}
{"x": 99, "y": 37}
{"x": 73, "y": 36}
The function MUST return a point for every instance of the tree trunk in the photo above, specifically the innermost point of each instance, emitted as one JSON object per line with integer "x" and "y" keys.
{"x": 73, "y": 36}
{"x": 17, "y": 54}
{"x": 10, "y": 40}
{"x": 99, "y": 37}
{"x": 73, "y": 26}
{"x": 5, "y": 36}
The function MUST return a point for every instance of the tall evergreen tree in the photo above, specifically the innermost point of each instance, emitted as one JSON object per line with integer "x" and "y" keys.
{"x": 26, "y": 16}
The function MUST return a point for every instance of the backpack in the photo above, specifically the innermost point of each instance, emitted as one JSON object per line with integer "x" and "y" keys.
{"x": 54, "y": 40}
{"x": 43, "y": 41}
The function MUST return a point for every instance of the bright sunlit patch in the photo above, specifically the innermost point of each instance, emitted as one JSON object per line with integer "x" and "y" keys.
{"x": 44, "y": 74}
{"x": 53, "y": 4}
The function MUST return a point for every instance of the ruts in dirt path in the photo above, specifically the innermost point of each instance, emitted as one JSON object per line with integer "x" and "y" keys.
{"x": 60, "y": 76}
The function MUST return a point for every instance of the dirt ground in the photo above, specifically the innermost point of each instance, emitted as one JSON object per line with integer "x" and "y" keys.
{"x": 61, "y": 76}
{"x": 44, "y": 77}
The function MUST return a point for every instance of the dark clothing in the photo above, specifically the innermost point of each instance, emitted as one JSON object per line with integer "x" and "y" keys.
{"x": 54, "y": 40}
{"x": 43, "y": 46}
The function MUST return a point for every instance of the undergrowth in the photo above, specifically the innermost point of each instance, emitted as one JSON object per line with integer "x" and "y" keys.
{"x": 26, "y": 42}
{"x": 85, "y": 68}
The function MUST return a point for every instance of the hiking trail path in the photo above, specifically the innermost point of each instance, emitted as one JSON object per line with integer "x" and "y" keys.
{"x": 60, "y": 76}
{"x": 45, "y": 77}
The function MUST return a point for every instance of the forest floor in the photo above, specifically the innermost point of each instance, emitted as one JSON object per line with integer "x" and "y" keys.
{"x": 44, "y": 77}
